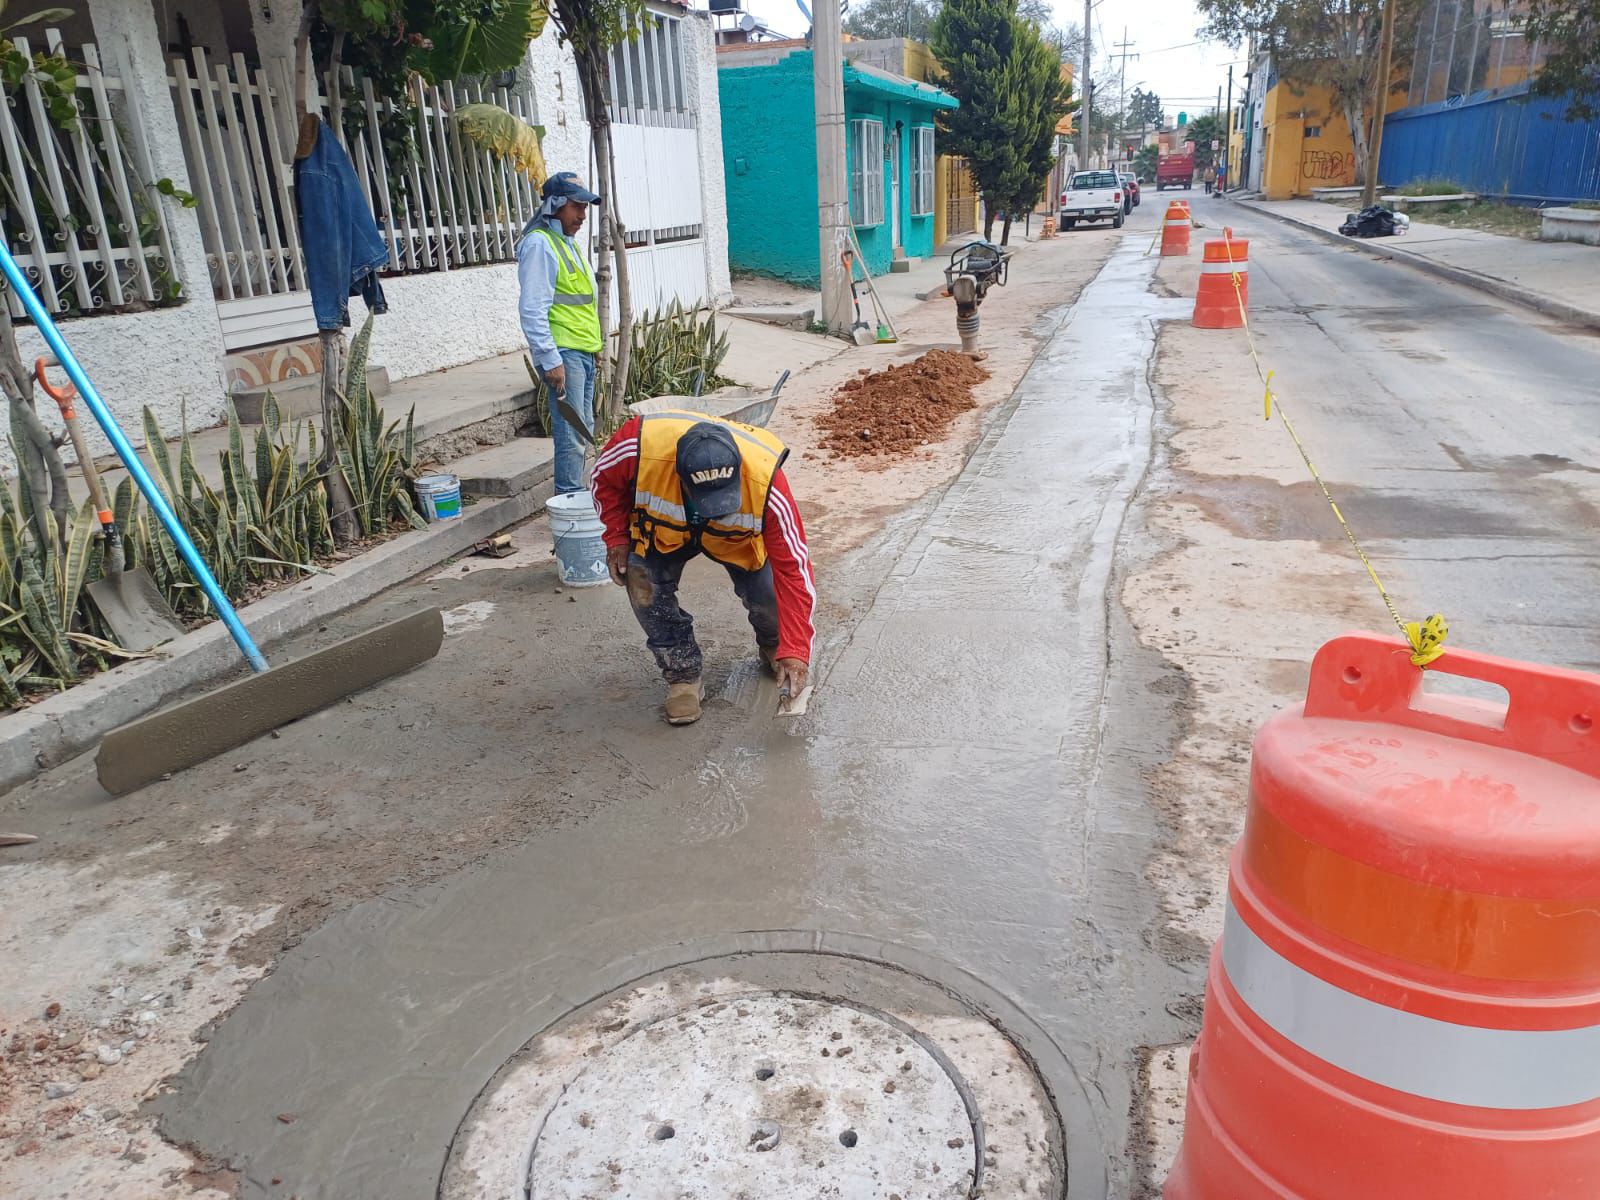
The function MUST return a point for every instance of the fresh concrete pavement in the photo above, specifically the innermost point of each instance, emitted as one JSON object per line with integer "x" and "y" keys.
{"x": 1015, "y": 786}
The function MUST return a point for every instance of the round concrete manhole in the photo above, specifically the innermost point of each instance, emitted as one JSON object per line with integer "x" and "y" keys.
{"x": 701, "y": 1086}
{"x": 761, "y": 1095}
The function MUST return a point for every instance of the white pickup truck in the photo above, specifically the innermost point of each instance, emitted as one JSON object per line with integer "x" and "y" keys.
{"x": 1092, "y": 196}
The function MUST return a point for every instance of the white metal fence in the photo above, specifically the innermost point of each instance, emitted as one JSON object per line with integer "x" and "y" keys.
{"x": 448, "y": 204}
{"x": 88, "y": 226}
{"x": 80, "y": 210}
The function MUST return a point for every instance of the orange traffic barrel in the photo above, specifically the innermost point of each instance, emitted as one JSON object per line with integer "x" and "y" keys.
{"x": 1217, "y": 303}
{"x": 1175, "y": 228}
{"x": 1406, "y": 998}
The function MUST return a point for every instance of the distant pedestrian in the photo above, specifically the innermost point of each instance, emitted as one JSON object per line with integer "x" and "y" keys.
{"x": 1222, "y": 178}
{"x": 1210, "y": 177}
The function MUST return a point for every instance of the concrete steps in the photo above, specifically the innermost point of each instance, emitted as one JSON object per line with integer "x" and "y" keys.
{"x": 298, "y": 397}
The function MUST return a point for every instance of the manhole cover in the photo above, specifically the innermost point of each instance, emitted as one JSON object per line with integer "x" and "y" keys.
{"x": 760, "y": 1096}
{"x": 765, "y": 1076}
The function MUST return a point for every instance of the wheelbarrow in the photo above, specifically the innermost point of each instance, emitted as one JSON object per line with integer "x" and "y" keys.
{"x": 746, "y": 406}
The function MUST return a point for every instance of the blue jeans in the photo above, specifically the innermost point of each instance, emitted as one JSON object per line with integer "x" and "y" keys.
{"x": 571, "y": 449}
{"x": 669, "y": 631}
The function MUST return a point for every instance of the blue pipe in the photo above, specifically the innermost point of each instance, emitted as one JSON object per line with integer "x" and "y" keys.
{"x": 141, "y": 477}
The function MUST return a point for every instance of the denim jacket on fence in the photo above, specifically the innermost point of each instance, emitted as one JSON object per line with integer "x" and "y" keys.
{"x": 343, "y": 247}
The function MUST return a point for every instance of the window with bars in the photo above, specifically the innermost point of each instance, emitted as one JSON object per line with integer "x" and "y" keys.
{"x": 922, "y": 161}
{"x": 648, "y": 85}
{"x": 866, "y": 172}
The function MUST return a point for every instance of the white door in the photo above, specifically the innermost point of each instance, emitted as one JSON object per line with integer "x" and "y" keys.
{"x": 894, "y": 188}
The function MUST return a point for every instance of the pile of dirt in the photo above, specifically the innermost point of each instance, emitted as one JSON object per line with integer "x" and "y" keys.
{"x": 898, "y": 409}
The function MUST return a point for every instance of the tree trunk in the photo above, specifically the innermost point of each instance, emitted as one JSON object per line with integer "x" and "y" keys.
{"x": 617, "y": 391}
{"x": 341, "y": 503}
{"x": 594, "y": 71}
{"x": 1355, "y": 116}
{"x": 988, "y": 221}
{"x": 38, "y": 452}
{"x": 1005, "y": 230}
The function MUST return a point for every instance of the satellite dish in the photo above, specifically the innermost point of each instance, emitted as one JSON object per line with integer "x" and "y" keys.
{"x": 747, "y": 22}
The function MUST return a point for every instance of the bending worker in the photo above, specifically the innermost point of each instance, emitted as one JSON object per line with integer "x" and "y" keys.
{"x": 560, "y": 319}
{"x": 673, "y": 485}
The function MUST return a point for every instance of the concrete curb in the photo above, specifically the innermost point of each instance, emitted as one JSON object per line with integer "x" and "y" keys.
{"x": 1571, "y": 314}
{"x": 73, "y": 721}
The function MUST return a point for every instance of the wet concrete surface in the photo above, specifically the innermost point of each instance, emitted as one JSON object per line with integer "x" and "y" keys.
{"x": 965, "y": 794}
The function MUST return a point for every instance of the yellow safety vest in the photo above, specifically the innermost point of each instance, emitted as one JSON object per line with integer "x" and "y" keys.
{"x": 574, "y": 315}
{"x": 659, "y": 521}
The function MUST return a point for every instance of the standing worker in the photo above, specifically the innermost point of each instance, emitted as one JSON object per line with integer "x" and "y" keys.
{"x": 560, "y": 318}
{"x": 1210, "y": 177}
{"x": 672, "y": 485}
{"x": 1222, "y": 176}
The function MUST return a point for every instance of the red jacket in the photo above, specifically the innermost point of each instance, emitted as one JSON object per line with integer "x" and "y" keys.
{"x": 782, "y": 534}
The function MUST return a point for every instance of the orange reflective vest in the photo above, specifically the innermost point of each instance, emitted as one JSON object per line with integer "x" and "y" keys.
{"x": 659, "y": 522}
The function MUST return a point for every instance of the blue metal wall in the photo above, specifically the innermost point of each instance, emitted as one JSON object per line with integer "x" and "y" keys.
{"x": 1505, "y": 144}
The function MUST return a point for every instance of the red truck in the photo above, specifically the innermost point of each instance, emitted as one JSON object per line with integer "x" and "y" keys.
{"x": 1174, "y": 170}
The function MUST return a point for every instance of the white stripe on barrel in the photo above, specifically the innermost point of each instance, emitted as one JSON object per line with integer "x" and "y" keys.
{"x": 1224, "y": 268}
{"x": 1423, "y": 1056}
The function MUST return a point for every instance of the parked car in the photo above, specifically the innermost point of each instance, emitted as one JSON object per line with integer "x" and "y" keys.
{"x": 1092, "y": 196}
{"x": 1130, "y": 191}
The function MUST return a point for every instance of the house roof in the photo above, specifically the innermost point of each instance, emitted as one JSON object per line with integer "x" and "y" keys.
{"x": 858, "y": 75}
{"x": 896, "y": 87}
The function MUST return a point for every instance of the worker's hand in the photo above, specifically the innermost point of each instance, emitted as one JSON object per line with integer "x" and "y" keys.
{"x": 556, "y": 379}
{"x": 792, "y": 674}
{"x": 617, "y": 564}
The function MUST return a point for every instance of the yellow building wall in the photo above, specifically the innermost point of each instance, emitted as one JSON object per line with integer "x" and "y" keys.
{"x": 1294, "y": 160}
{"x": 1293, "y": 163}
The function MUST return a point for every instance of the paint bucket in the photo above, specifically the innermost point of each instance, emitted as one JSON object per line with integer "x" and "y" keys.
{"x": 438, "y": 497}
{"x": 580, "y": 539}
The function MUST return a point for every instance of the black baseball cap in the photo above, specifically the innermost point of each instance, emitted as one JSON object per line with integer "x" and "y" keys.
{"x": 710, "y": 468}
{"x": 568, "y": 186}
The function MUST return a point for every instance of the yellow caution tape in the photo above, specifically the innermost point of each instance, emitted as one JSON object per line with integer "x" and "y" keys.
{"x": 1426, "y": 636}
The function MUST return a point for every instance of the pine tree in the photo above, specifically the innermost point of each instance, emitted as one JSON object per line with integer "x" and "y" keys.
{"x": 1011, "y": 98}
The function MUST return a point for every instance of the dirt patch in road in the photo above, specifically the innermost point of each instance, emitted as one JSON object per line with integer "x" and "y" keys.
{"x": 901, "y": 409}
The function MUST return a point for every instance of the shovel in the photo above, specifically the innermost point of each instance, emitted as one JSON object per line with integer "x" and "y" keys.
{"x": 129, "y": 601}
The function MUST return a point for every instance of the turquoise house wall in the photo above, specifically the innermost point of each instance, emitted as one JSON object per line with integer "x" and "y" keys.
{"x": 916, "y": 232}
{"x": 769, "y": 159}
{"x": 769, "y": 151}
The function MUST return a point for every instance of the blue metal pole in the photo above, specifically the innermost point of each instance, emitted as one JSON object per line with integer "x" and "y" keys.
{"x": 141, "y": 477}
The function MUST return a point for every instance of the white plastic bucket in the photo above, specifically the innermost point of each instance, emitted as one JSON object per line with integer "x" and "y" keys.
{"x": 580, "y": 539}
{"x": 438, "y": 496}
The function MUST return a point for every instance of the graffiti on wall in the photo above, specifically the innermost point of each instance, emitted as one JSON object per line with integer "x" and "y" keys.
{"x": 1328, "y": 167}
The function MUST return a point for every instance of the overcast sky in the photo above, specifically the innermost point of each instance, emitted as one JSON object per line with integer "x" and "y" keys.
{"x": 1184, "y": 71}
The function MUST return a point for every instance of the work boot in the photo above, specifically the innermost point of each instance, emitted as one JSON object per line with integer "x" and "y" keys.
{"x": 769, "y": 659}
{"x": 683, "y": 702}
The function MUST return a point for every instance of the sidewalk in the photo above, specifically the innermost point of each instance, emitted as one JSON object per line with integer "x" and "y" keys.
{"x": 1560, "y": 279}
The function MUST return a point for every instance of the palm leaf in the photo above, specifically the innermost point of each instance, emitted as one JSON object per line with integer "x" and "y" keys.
{"x": 505, "y": 136}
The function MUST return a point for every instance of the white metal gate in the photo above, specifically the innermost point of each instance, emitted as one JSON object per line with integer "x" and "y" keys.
{"x": 657, "y": 134}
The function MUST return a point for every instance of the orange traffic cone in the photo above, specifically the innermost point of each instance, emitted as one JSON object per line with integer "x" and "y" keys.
{"x": 1217, "y": 305}
{"x": 1175, "y": 228}
{"x": 1406, "y": 998}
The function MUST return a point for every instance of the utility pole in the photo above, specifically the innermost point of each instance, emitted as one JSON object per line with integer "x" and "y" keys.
{"x": 1380, "y": 101}
{"x": 1084, "y": 88}
{"x": 1122, "y": 87}
{"x": 1227, "y": 131}
{"x": 833, "y": 193}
